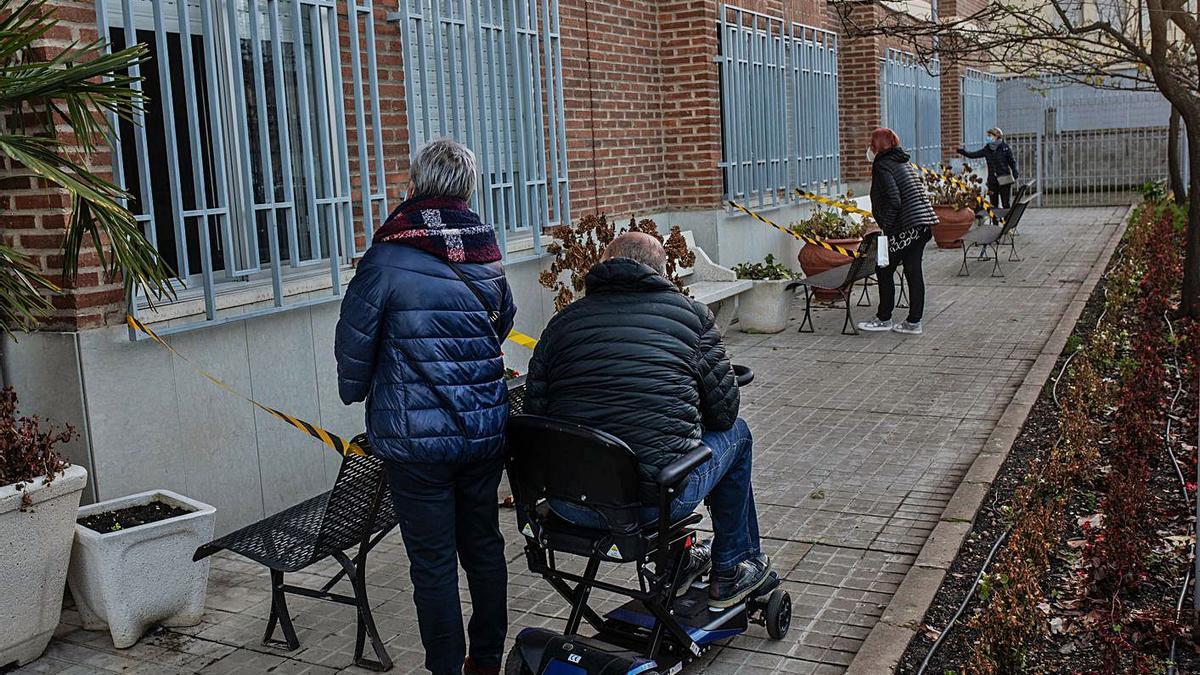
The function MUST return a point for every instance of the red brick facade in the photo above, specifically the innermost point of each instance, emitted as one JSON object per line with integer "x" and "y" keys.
{"x": 642, "y": 108}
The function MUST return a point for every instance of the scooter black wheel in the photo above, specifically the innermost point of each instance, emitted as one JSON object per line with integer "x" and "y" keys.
{"x": 514, "y": 664}
{"x": 778, "y": 614}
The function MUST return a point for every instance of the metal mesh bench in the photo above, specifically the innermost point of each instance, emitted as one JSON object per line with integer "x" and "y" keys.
{"x": 842, "y": 280}
{"x": 356, "y": 512}
{"x": 994, "y": 235}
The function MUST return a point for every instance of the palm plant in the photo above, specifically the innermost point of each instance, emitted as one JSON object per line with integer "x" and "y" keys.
{"x": 77, "y": 92}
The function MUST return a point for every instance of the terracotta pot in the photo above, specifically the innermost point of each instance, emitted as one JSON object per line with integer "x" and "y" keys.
{"x": 814, "y": 260}
{"x": 952, "y": 225}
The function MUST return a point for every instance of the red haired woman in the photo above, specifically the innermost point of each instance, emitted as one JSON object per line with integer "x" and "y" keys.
{"x": 901, "y": 206}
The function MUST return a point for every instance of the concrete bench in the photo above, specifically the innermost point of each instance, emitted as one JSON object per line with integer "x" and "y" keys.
{"x": 716, "y": 286}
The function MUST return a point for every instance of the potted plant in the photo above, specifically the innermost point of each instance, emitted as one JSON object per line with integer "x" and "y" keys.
{"x": 954, "y": 197}
{"x": 764, "y": 308}
{"x": 131, "y": 566}
{"x": 39, "y": 493}
{"x": 577, "y": 248}
{"x": 833, "y": 226}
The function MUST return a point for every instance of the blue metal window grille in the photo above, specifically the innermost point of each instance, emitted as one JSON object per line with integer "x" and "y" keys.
{"x": 978, "y": 108}
{"x": 779, "y": 108}
{"x": 239, "y": 166}
{"x": 912, "y": 104}
{"x": 489, "y": 73}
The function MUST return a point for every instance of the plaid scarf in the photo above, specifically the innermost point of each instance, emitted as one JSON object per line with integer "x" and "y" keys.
{"x": 442, "y": 226}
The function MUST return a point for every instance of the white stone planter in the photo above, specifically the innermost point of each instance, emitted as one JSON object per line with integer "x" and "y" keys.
{"x": 765, "y": 308}
{"x": 35, "y": 542}
{"x": 133, "y": 579}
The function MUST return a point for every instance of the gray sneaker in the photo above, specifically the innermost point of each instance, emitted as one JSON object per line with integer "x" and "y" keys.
{"x": 907, "y": 328}
{"x": 875, "y": 325}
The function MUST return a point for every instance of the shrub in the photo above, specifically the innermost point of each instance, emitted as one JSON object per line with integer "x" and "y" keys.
{"x": 26, "y": 451}
{"x": 768, "y": 270}
{"x": 827, "y": 222}
{"x": 578, "y": 248}
{"x": 960, "y": 190}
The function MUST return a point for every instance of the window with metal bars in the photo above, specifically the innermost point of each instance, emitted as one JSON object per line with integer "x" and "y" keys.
{"x": 488, "y": 73}
{"x": 779, "y": 108}
{"x": 238, "y": 168}
{"x": 912, "y": 104}
{"x": 978, "y": 94}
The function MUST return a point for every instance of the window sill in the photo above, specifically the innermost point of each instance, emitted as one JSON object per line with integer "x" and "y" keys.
{"x": 238, "y": 298}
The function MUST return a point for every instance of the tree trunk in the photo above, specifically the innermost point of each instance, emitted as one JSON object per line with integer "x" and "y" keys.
{"x": 1190, "y": 303}
{"x": 1174, "y": 167}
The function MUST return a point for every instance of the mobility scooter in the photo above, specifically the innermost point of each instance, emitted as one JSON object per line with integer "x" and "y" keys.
{"x": 662, "y": 627}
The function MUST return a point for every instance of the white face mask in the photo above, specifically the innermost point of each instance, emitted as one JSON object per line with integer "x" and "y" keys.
{"x": 870, "y": 155}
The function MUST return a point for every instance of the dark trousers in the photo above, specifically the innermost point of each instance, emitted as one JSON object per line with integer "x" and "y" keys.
{"x": 910, "y": 258}
{"x": 444, "y": 510}
{"x": 1000, "y": 195}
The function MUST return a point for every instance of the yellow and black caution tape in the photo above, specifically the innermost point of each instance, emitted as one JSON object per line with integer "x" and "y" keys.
{"x": 339, "y": 444}
{"x": 807, "y": 240}
{"x": 844, "y": 206}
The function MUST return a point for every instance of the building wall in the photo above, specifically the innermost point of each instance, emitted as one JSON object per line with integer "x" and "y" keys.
{"x": 644, "y": 138}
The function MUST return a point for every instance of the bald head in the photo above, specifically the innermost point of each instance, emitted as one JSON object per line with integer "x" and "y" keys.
{"x": 641, "y": 247}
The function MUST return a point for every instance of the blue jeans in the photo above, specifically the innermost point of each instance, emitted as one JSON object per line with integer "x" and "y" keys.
{"x": 725, "y": 481}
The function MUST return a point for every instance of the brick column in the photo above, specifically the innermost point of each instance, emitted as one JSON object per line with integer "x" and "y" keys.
{"x": 691, "y": 102}
{"x": 34, "y": 215}
{"x": 858, "y": 94}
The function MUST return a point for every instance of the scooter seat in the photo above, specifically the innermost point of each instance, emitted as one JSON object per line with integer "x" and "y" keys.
{"x": 558, "y": 534}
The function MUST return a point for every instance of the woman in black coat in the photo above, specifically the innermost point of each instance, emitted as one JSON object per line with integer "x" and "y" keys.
{"x": 1001, "y": 167}
{"x": 901, "y": 206}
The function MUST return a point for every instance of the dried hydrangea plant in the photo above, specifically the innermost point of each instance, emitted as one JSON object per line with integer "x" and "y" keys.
{"x": 576, "y": 249}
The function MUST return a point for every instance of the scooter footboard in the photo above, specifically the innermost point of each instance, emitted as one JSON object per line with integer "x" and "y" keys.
{"x": 545, "y": 652}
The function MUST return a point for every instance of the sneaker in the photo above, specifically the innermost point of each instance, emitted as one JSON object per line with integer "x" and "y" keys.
{"x": 907, "y": 328}
{"x": 698, "y": 564}
{"x": 732, "y": 587}
{"x": 875, "y": 325}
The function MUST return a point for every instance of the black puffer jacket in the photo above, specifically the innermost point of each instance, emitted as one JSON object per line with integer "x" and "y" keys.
{"x": 1000, "y": 161}
{"x": 638, "y": 359}
{"x": 898, "y": 198}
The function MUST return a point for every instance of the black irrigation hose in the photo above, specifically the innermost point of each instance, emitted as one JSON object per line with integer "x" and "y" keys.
{"x": 1120, "y": 254}
{"x": 1182, "y": 481}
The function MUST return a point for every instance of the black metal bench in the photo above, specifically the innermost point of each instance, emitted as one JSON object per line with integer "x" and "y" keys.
{"x": 993, "y": 235}
{"x": 842, "y": 280}
{"x": 356, "y": 512}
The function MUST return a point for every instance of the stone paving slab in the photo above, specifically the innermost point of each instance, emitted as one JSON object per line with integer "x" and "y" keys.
{"x": 860, "y": 444}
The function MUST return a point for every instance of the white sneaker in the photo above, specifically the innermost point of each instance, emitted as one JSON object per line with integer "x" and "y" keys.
{"x": 907, "y": 328}
{"x": 875, "y": 325}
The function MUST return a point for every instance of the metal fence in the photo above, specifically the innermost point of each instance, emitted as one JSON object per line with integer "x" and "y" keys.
{"x": 489, "y": 73}
{"x": 1086, "y": 146}
{"x": 911, "y": 95}
{"x": 239, "y": 166}
{"x": 779, "y": 108}
{"x": 978, "y": 109}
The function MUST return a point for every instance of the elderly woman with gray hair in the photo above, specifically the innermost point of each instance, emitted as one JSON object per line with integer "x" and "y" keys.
{"x": 1001, "y": 167}
{"x": 419, "y": 340}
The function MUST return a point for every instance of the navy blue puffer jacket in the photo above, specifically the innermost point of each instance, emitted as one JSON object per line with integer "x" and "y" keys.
{"x": 417, "y": 345}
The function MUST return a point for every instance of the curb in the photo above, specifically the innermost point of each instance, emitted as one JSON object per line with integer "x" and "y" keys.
{"x": 887, "y": 641}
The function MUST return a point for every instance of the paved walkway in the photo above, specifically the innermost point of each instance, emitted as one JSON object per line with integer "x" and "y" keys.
{"x": 859, "y": 443}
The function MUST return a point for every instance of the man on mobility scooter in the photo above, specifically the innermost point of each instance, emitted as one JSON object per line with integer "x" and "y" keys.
{"x": 631, "y": 422}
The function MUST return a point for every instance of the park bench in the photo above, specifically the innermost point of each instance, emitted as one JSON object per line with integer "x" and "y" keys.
{"x": 714, "y": 285}
{"x": 356, "y": 512}
{"x": 842, "y": 280}
{"x": 993, "y": 235}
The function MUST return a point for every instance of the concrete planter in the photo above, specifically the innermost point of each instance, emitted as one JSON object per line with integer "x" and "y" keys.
{"x": 764, "y": 308}
{"x": 36, "y": 543}
{"x": 131, "y": 580}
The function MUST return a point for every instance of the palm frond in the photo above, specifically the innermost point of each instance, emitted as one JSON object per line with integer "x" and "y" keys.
{"x": 21, "y": 284}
